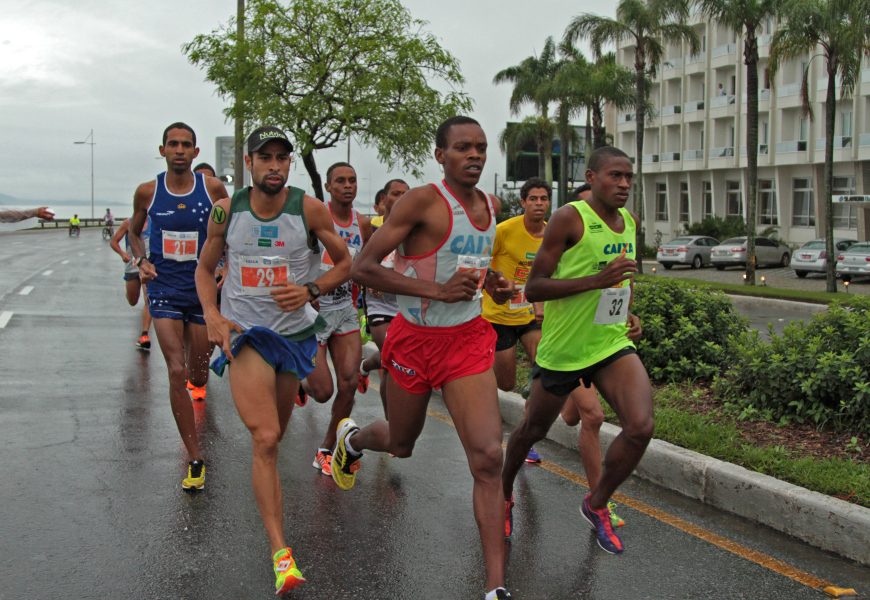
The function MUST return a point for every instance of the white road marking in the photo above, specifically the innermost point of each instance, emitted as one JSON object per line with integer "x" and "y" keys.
{"x": 25, "y": 290}
{"x": 64, "y": 262}
{"x": 47, "y": 273}
{"x": 81, "y": 253}
{"x": 4, "y": 318}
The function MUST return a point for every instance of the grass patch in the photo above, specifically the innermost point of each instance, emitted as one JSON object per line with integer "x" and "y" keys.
{"x": 763, "y": 291}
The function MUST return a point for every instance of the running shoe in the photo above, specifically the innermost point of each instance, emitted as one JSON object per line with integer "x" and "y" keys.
{"x": 301, "y": 396}
{"x": 600, "y": 521}
{"x": 323, "y": 461}
{"x": 363, "y": 386}
{"x": 195, "y": 479}
{"x": 533, "y": 458}
{"x": 144, "y": 342}
{"x": 615, "y": 519}
{"x": 346, "y": 466}
{"x": 508, "y": 518}
{"x": 287, "y": 574}
{"x": 500, "y": 594}
{"x": 197, "y": 393}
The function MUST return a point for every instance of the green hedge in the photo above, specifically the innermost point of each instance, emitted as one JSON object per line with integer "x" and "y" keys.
{"x": 686, "y": 329}
{"x": 817, "y": 371}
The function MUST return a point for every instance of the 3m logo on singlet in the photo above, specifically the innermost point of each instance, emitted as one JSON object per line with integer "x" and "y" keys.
{"x": 618, "y": 248}
{"x": 471, "y": 244}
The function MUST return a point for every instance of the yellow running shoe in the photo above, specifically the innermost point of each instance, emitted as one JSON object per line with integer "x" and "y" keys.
{"x": 195, "y": 479}
{"x": 344, "y": 466}
{"x": 287, "y": 574}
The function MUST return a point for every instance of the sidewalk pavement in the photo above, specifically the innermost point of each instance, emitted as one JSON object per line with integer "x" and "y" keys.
{"x": 817, "y": 519}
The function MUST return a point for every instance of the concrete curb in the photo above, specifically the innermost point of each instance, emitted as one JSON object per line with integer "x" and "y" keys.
{"x": 817, "y": 519}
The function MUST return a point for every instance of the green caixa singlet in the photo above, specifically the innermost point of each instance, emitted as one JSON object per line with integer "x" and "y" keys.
{"x": 583, "y": 329}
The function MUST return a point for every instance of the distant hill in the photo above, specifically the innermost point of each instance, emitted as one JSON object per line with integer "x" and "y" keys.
{"x": 7, "y": 199}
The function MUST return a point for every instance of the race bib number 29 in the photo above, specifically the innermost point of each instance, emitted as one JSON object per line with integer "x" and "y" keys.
{"x": 180, "y": 246}
{"x": 613, "y": 306}
{"x": 261, "y": 273}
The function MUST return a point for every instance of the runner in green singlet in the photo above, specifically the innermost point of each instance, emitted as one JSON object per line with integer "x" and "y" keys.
{"x": 583, "y": 271}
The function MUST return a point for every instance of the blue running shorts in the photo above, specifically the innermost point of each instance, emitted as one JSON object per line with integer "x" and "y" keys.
{"x": 282, "y": 354}
{"x": 181, "y": 306}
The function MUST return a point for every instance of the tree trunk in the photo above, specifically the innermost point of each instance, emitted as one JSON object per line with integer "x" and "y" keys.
{"x": 750, "y": 54}
{"x": 547, "y": 147}
{"x": 311, "y": 167}
{"x": 830, "y": 116}
{"x": 597, "y": 126}
{"x": 640, "y": 105}
{"x": 563, "y": 157}
{"x": 588, "y": 132}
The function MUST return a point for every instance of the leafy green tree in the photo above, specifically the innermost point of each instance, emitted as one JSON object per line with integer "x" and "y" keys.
{"x": 840, "y": 29}
{"x": 649, "y": 24}
{"x": 533, "y": 83}
{"x": 327, "y": 69}
{"x": 745, "y": 17}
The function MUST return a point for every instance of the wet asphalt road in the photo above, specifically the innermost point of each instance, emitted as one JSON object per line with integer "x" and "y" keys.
{"x": 90, "y": 464}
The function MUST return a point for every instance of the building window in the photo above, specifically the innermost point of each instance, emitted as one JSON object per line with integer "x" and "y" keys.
{"x": 661, "y": 202}
{"x": 803, "y": 206}
{"x": 684, "y": 202}
{"x": 767, "y": 197}
{"x": 707, "y": 209}
{"x": 845, "y": 215}
{"x": 733, "y": 199}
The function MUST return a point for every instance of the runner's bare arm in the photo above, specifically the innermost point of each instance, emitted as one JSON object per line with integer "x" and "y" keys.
{"x": 141, "y": 199}
{"x": 215, "y": 188}
{"x": 365, "y": 227}
{"x": 115, "y": 242}
{"x": 408, "y": 214}
{"x": 206, "y": 288}
{"x": 635, "y": 331}
{"x": 563, "y": 231}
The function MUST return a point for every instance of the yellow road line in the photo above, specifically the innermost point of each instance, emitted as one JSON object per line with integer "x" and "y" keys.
{"x": 759, "y": 558}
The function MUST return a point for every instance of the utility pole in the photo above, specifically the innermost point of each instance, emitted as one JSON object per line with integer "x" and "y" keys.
{"x": 239, "y": 160}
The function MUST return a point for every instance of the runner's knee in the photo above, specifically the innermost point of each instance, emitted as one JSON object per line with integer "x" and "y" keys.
{"x": 486, "y": 461}
{"x": 266, "y": 439}
{"x": 639, "y": 430}
{"x": 592, "y": 418}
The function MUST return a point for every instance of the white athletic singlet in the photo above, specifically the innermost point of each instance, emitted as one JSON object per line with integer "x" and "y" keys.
{"x": 342, "y": 296}
{"x": 466, "y": 247}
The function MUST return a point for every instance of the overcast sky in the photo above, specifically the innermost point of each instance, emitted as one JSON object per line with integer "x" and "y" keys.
{"x": 117, "y": 68}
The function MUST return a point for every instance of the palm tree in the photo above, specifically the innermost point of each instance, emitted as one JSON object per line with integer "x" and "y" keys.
{"x": 745, "y": 17}
{"x": 839, "y": 28}
{"x": 650, "y": 24}
{"x": 532, "y": 80}
{"x": 538, "y": 130}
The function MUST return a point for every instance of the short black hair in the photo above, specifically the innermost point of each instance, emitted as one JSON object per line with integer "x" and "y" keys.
{"x": 599, "y": 155}
{"x": 444, "y": 128}
{"x": 334, "y": 166}
{"x": 535, "y": 182}
{"x": 205, "y": 165}
{"x": 387, "y": 185}
{"x": 179, "y": 125}
{"x": 380, "y": 196}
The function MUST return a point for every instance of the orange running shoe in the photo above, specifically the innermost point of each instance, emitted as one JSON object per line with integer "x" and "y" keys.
{"x": 323, "y": 461}
{"x": 287, "y": 573}
{"x": 363, "y": 386}
{"x": 190, "y": 385}
{"x": 197, "y": 393}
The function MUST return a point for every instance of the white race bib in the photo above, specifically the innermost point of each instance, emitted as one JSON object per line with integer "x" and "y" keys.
{"x": 474, "y": 264}
{"x": 613, "y": 306}
{"x": 518, "y": 300}
{"x": 180, "y": 246}
{"x": 259, "y": 274}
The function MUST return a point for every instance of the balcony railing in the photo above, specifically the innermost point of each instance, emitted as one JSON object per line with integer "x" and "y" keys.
{"x": 673, "y": 109}
{"x": 693, "y": 106}
{"x": 763, "y": 96}
{"x": 723, "y": 50}
{"x": 672, "y": 63}
{"x": 693, "y": 154}
{"x": 788, "y": 89}
{"x": 650, "y": 158}
{"x": 670, "y": 156}
{"x": 840, "y": 141}
{"x": 792, "y": 146}
{"x": 694, "y": 59}
{"x": 822, "y": 84}
{"x": 626, "y": 117}
{"x": 723, "y": 152}
{"x": 719, "y": 101}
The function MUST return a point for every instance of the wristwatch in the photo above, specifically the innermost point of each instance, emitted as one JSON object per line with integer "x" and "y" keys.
{"x": 313, "y": 290}
{"x": 138, "y": 261}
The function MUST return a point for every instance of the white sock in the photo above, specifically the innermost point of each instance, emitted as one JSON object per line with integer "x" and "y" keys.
{"x": 325, "y": 450}
{"x": 362, "y": 369}
{"x": 490, "y": 595}
{"x": 350, "y": 449}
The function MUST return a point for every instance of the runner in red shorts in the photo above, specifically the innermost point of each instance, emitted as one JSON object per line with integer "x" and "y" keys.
{"x": 443, "y": 236}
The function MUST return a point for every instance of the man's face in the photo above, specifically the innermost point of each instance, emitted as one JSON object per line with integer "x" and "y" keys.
{"x": 464, "y": 155}
{"x": 612, "y": 181}
{"x": 342, "y": 185}
{"x": 269, "y": 167}
{"x": 397, "y": 189}
{"x": 179, "y": 150}
{"x": 536, "y": 204}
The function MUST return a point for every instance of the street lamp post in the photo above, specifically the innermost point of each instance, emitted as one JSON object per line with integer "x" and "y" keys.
{"x": 90, "y": 142}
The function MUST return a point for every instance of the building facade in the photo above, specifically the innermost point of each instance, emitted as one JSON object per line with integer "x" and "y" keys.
{"x": 694, "y": 158}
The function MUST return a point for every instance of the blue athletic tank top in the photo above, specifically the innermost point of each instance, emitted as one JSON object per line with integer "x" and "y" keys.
{"x": 179, "y": 224}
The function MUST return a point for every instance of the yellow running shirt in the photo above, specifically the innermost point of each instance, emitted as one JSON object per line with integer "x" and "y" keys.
{"x": 377, "y": 220}
{"x": 513, "y": 252}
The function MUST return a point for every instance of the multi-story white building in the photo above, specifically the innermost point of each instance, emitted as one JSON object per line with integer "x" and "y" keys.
{"x": 694, "y": 160}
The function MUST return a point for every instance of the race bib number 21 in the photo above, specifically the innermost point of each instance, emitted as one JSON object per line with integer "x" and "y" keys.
{"x": 180, "y": 246}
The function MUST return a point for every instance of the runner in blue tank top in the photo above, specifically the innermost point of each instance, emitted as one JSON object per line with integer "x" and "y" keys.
{"x": 177, "y": 204}
{"x": 443, "y": 236}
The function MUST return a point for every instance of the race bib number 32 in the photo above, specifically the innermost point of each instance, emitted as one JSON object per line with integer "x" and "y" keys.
{"x": 613, "y": 306}
{"x": 180, "y": 246}
{"x": 261, "y": 273}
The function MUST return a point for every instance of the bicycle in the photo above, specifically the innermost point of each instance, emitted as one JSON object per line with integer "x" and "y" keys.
{"x": 107, "y": 232}
{"x": 74, "y": 230}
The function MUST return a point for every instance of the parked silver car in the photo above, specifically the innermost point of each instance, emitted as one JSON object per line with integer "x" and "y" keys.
{"x": 812, "y": 257}
{"x": 732, "y": 252}
{"x": 691, "y": 250}
{"x": 854, "y": 262}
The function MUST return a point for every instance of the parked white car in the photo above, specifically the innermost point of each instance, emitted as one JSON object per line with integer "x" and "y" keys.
{"x": 812, "y": 257}
{"x": 691, "y": 250}
{"x": 854, "y": 262}
{"x": 732, "y": 253}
